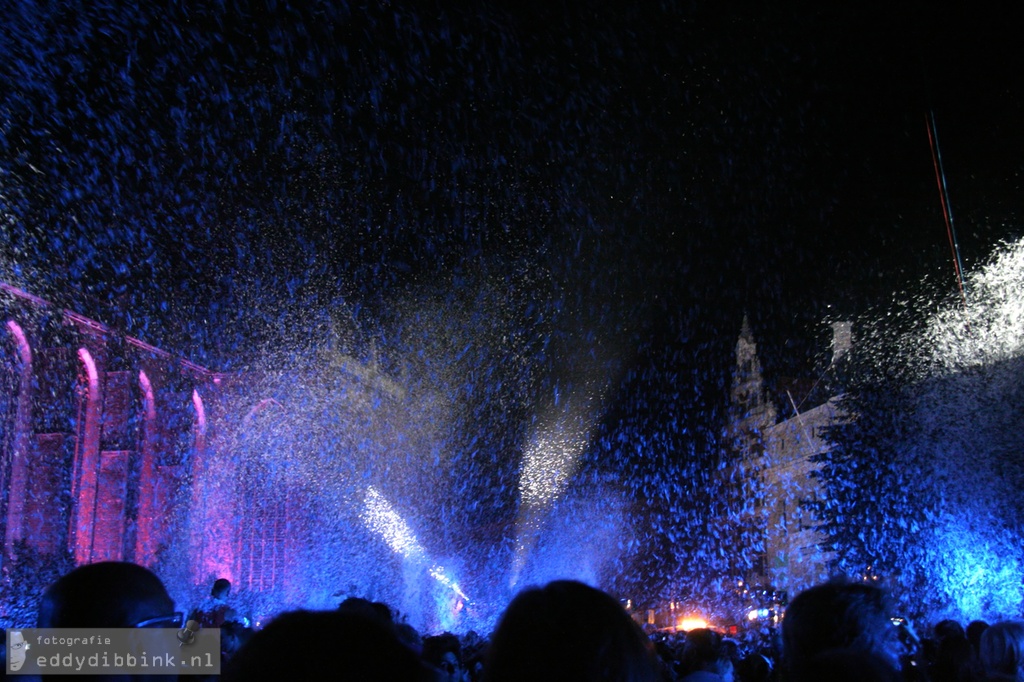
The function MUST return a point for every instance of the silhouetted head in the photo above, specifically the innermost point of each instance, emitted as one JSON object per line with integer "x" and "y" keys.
{"x": 322, "y": 645}
{"x": 973, "y": 631}
{"x": 838, "y": 615}
{"x": 754, "y": 668}
{"x": 1001, "y": 651}
{"x": 221, "y": 588}
{"x": 702, "y": 645}
{"x": 953, "y": 652}
{"x": 949, "y": 628}
{"x": 444, "y": 653}
{"x": 109, "y": 594}
{"x": 105, "y": 595}
{"x": 378, "y": 611}
{"x": 704, "y": 649}
{"x": 567, "y": 631}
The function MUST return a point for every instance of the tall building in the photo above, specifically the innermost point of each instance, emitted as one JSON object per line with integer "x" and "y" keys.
{"x": 778, "y": 458}
{"x": 751, "y": 414}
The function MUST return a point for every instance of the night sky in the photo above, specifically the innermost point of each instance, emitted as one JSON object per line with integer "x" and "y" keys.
{"x": 204, "y": 178}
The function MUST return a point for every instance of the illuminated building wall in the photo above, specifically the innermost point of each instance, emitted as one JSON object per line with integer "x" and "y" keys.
{"x": 751, "y": 415}
{"x": 778, "y": 458}
{"x": 101, "y": 432}
{"x": 96, "y": 435}
{"x": 112, "y": 449}
{"x": 794, "y": 559}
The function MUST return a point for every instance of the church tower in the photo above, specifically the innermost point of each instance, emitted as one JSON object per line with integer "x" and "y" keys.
{"x": 740, "y": 496}
{"x": 751, "y": 412}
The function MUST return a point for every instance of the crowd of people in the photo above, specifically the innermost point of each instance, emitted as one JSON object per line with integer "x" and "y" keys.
{"x": 564, "y": 630}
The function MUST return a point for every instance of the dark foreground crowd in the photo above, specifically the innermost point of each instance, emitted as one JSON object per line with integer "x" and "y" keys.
{"x": 564, "y": 631}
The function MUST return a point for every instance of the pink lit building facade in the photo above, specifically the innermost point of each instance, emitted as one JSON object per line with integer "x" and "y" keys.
{"x": 99, "y": 435}
{"x": 112, "y": 449}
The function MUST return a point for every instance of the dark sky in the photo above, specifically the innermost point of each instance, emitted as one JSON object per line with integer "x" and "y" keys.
{"x": 788, "y": 150}
{"x": 672, "y": 161}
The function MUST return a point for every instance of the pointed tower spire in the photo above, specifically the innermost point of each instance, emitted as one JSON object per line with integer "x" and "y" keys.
{"x": 750, "y": 410}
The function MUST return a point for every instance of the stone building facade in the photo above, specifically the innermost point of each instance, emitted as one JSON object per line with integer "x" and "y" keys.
{"x": 114, "y": 450}
{"x": 99, "y": 432}
{"x": 778, "y": 456}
